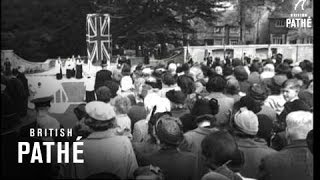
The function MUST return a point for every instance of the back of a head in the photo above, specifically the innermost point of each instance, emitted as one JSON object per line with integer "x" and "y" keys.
{"x": 299, "y": 123}
{"x": 169, "y": 130}
{"x": 256, "y": 67}
{"x": 126, "y": 69}
{"x": 233, "y": 86}
{"x": 306, "y": 65}
{"x": 227, "y": 70}
{"x": 236, "y": 62}
{"x": 205, "y": 106}
{"x": 113, "y": 86}
{"x": 103, "y": 94}
{"x": 168, "y": 79}
{"x": 258, "y": 92}
{"x": 240, "y": 73}
{"x": 122, "y": 104}
{"x": 186, "y": 83}
{"x": 216, "y": 84}
{"x": 292, "y": 84}
{"x": 220, "y": 147}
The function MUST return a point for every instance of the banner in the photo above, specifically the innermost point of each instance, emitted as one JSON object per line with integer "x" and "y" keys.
{"x": 98, "y": 37}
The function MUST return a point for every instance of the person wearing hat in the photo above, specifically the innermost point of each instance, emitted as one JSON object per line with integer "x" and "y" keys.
{"x": 104, "y": 149}
{"x": 268, "y": 71}
{"x": 246, "y": 127}
{"x": 206, "y": 123}
{"x": 175, "y": 164}
{"x": 27, "y": 169}
{"x": 177, "y": 99}
{"x": 102, "y": 75}
{"x": 294, "y": 161}
{"x": 260, "y": 92}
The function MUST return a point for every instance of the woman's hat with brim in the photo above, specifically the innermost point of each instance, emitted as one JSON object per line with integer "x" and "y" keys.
{"x": 100, "y": 111}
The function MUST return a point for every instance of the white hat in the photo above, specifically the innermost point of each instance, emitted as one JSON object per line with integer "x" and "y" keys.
{"x": 126, "y": 83}
{"x": 154, "y": 99}
{"x": 147, "y": 71}
{"x": 247, "y": 121}
{"x": 172, "y": 67}
{"x": 100, "y": 110}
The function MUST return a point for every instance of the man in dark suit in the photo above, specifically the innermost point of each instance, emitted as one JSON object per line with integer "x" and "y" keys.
{"x": 103, "y": 75}
{"x": 295, "y": 161}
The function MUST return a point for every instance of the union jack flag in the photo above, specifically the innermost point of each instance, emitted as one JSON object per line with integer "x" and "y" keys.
{"x": 98, "y": 37}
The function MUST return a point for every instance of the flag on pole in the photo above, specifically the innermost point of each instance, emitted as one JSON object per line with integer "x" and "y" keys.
{"x": 98, "y": 37}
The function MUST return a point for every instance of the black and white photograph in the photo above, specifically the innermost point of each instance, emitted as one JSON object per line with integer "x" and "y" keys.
{"x": 157, "y": 89}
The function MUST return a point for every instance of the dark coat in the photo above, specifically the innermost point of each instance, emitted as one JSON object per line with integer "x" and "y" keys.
{"x": 102, "y": 76}
{"x": 294, "y": 162}
{"x": 24, "y": 81}
{"x": 174, "y": 164}
{"x": 254, "y": 150}
{"x": 16, "y": 91}
{"x": 296, "y": 105}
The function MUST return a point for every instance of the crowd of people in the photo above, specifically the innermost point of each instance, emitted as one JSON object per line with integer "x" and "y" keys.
{"x": 218, "y": 119}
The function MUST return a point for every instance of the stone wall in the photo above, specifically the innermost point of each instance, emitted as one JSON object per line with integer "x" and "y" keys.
{"x": 30, "y": 67}
{"x": 296, "y": 52}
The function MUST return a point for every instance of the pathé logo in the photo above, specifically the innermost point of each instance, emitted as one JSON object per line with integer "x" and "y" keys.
{"x": 302, "y": 2}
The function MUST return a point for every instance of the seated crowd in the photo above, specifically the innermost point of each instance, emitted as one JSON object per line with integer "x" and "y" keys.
{"x": 219, "y": 120}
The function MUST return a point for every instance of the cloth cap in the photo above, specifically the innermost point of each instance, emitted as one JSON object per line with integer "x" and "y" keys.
{"x": 99, "y": 110}
{"x": 246, "y": 121}
{"x": 126, "y": 83}
{"x": 177, "y": 97}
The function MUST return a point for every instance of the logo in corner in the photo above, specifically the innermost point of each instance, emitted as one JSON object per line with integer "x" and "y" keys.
{"x": 302, "y": 2}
